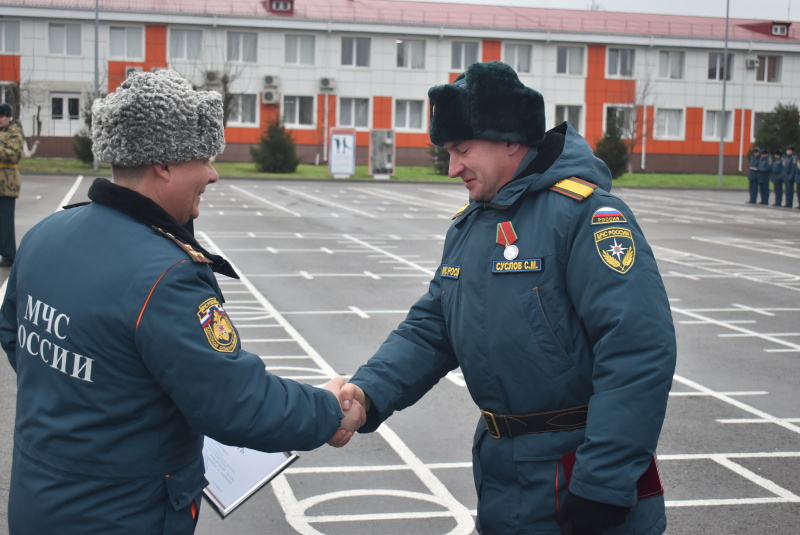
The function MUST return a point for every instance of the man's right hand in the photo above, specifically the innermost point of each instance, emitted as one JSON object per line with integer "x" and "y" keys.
{"x": 350, "y": 393}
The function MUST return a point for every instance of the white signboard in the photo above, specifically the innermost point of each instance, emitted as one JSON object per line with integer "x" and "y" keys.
{"x": 342, "y": 157}
{"x": 234, "y": 474}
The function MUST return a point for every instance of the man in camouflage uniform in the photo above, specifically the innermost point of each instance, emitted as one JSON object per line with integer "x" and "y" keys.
{"x": 10, "y": 153}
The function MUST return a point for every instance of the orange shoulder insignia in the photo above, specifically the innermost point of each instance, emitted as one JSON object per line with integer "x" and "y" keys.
{"x": 574, "y": 187}
{"x": 196, "y": 256}
{"x": 460, "y": 211}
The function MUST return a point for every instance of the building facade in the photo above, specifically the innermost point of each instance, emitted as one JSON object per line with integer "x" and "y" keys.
{"x": 366, "y": 66}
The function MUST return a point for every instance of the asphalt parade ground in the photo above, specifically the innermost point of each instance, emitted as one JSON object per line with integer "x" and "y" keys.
{"x": 330, "y": 267}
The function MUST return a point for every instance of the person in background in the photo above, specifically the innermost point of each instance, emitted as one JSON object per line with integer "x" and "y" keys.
{"x": 764, "y": 165}
{"x": 125, "y": 357}
{"x": 752, "y": 175}
{"x": 549, "y": 298}
{"x": 11, "y": 140}
{"x": 776, "y": 175}
{"x": 789, "y": 174}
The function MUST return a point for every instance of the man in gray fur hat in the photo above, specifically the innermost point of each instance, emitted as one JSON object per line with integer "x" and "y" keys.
{"x": 549, "y": 299}
{"x": 125, "y": 357}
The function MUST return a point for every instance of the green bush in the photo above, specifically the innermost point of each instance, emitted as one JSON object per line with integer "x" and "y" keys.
{"x": 441, "y": 159}
{"x": 613, "y": 150}
{"x": 82, "y": 147}
{"x": 276, "y": 153}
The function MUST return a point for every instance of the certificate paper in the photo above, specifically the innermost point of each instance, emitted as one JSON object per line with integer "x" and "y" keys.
{"x": 234, "y": 474}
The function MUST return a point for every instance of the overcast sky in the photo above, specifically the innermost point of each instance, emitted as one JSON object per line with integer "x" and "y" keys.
{"x": 745, "y": 9}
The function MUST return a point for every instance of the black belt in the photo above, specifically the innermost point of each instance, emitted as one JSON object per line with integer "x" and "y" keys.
{"x": 541, "y": 422}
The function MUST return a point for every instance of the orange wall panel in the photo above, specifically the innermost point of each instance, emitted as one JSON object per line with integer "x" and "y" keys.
{"x": 492, "y": 50}
{"x": 382, "y": 112}
{"x": 9, "y": 68}
{"x": 155, "y": 56}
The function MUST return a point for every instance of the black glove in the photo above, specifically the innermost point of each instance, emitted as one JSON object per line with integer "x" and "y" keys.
{"x": 579, "y": 516}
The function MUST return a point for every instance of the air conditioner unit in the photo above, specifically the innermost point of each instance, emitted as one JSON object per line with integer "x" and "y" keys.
{"x": 271, "y": 80}
{"x": 327, "y": 84}
{"x": 213, "y": 77}
{"x": 270, "y": 97}
{"x": 751, "y": 63}
{"x": 130, "y": 69}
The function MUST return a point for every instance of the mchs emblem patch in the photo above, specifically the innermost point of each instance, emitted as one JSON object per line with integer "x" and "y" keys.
{"x": 217, "y": 326}
{"x": 616, "y": 248}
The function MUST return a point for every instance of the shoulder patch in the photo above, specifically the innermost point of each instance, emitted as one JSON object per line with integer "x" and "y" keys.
{"x": 196, "y": 256}
{"x": 216, "y": 325}
{"x": 574, "y": 188}
{"x": 606, "y": 214}
{"x": 460, "y": 211}
{"x": 616, "y": 248}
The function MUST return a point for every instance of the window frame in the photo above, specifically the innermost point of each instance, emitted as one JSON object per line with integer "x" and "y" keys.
{"x": 680, "y": 136}
{"x": 65, "y": 50}
{"x": 241, "y": 47}
{"x": 764, "y": 60}
{"x": 236, "y": 103}
{"x": 401, "y": 42}
{"x": 127, "y": 56}
{"x": 185, "y": 48}
{"x": 464, "y": 61}
{"x": 568, "y": 63}
{"x": 631, "y": 119}
{"x": 717, "y": 70}
{"x": 353, "y": 113}
{"x": 619, "y": 51}
{"x": 3, "y": 37}
{"x": 715, "y": 136}
{"x": 515, "y": 47}
{"x": 407, "y": 127}
{"x": 298, "y": 49}
{"x": 294, "y": 123}
{"x": 354, "y": 51}
{"x": 669, "y": 67}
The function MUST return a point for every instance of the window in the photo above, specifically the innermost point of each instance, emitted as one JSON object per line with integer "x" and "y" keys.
{"x": 242, "y": 47}
{"x": 298, "y": 111}
{"x": 299, "y": 49}
{"x": 355, "y": 51}
{"x": 769, "y": 69}
{"x": 572, "y": 114}
{"x": 625, "y": 119}
{"x": 669, "y": 124}
{"x": 281, "y": 5}
{"x": 411, "y": 53}
{"x": 8, "y": 93}
{"x": 712, "y": 128}
{"x": 185, "y": 44}
{"x": 408, "y": 114}
{"x": 716, "y": 70}
{"x": 9, "y": 37}
{"x": 242, "y": 110}
{"x": 126, "y": 42}
{"x": 569, "y": 60}
{"x": 354, "y": 112}
{"x": 518, "y": 56}
{"x": 465, "y": 53}
{"x": 620, "y": 62}
{"x": 64, "y": 39}
{"x": 670, "y": 64}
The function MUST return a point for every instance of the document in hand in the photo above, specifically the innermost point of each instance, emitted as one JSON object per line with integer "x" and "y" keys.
{"x": 234, "y": 474}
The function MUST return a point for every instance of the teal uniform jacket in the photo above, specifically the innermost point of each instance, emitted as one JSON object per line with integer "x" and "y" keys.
{"x": 579, "y": 317}
{"x": 125, "y": 358}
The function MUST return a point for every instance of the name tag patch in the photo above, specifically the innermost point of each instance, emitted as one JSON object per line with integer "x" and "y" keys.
{"x": 517, "y": 266}
{"x": 450, "y": 272}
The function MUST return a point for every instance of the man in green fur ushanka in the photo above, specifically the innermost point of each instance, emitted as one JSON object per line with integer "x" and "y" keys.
{"x": 549, "y": 298}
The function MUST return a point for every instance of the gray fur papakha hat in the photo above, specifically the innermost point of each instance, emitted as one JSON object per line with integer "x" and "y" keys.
{"x": 156, "y": 117}
{"x": 487, "y": 101}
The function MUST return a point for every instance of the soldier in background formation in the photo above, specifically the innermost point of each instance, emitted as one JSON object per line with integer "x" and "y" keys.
{"x": 782, "y": 169}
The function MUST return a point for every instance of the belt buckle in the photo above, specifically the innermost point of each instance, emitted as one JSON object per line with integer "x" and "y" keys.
{"x": 488, "y": 417}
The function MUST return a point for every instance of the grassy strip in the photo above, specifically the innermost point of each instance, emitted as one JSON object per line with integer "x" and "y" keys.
{"x": 404, "y": 173}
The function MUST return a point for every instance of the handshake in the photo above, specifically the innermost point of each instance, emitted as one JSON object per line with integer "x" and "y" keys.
{"x": 355, "y": 405}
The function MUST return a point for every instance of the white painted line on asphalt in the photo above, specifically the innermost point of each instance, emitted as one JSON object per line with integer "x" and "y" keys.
{"x": 67, "y": 200}
{"x": 757, "y": 479}
{"x": 752, "y": 420}
{"x": 360, "y": 313}
{"x": 325, "y": 202}
{"x": 738, "y": 404}
{"x": 265, "y": 201}
{"x": 397, "y": 258}
{"x": 739, "y": 393}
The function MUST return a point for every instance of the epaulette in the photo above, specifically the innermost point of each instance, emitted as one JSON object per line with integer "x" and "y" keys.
{"x": 196, "y": 256}
{"x": 460, "y": 211}
{"x": 574, "y": 188}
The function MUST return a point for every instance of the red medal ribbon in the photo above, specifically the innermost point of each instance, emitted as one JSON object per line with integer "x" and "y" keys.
{"x": 506, "y": 235}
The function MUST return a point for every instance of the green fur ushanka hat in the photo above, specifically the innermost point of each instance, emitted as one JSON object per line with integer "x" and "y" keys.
{"x": 487, "y": 101}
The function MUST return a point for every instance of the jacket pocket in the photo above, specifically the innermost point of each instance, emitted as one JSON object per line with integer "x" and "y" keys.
{"x": 551, "y": 355}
